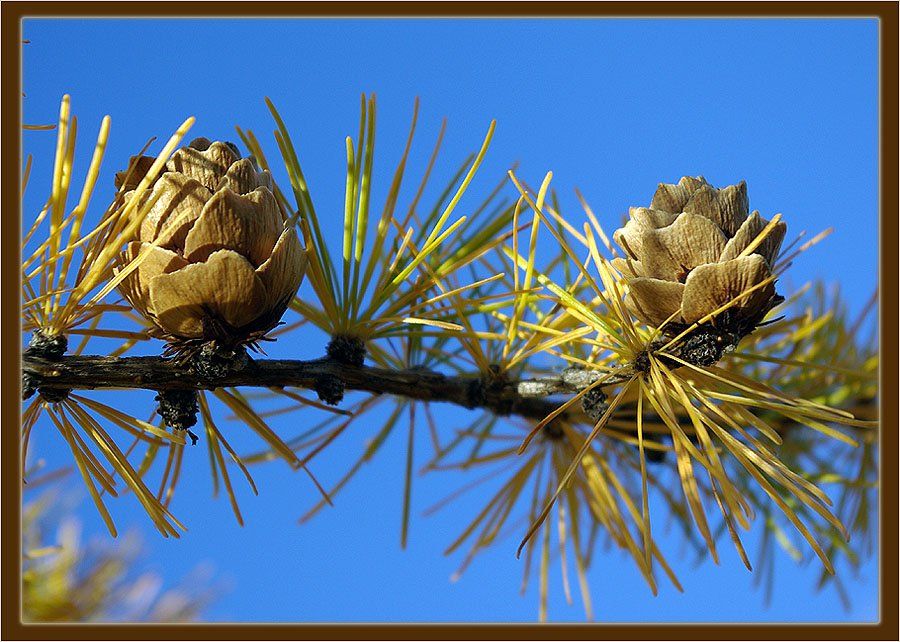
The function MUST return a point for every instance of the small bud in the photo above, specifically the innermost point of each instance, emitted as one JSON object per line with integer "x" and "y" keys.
{"x": 47, "y": 346}
{"x": 594, "y": 404}
{"x": 704, "y": 346}
{"x": 347, "y": 350}
{"x": 178, "y": 408}
{"x": 330, "y": 389}
{"x": 28, "y": 386}
{"x": 214, "y": 361}
{"x": 54, "y": 395}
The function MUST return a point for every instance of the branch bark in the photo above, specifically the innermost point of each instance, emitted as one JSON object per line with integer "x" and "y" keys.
{"x": 527, "y": 398}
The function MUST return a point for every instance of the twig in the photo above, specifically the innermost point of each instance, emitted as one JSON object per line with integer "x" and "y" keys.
{"x": 527, "y": 398}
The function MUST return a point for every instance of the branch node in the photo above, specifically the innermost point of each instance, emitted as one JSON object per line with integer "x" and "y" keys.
{"x": 594, "y": 404}
{"x": 330, "y": 389}
{"x": 178, "y": 409}
{"x": 29, "y": 386}
{"x": 348, "y": 350}
{"x": 704, "y": 346}
{"x": 216, "y": 361}
{"x": 54, "y": 395}
{"x": 641, "y": 362}
{"x": 475, "y": 393}
{"x": 47, "y": 346}
{"x": 51, "y": 347}
{"x": 494, "y": 383}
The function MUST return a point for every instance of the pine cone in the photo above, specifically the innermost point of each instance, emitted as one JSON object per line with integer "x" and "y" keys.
{"x": 683, "y": 257}
{"x": 227, "y": 264}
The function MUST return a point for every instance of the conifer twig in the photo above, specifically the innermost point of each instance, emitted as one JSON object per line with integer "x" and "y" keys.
{"x": 520, "y": 397}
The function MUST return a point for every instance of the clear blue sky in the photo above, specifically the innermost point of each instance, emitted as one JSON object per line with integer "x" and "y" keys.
{"x": 611, "y": 106}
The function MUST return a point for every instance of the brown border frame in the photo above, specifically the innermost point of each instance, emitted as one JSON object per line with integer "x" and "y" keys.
{"x": 10, "y": 27}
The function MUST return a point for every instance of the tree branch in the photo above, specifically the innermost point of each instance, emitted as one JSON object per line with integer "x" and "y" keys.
{"x": 501, "y": 396}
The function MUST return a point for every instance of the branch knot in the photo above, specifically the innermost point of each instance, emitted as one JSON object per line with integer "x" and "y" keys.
{"x": 348, "y": 350}
{"x": 178, "y": 409}
{"x": 330, "y": 389}
{"x": 216, "y": 361}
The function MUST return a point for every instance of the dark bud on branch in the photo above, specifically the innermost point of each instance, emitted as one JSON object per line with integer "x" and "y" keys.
{"x": 47, "y": 346}
{"x": 215, "y": 361}
{"x": 704, "y": 346}
{"x": 54, "y": 395}
{"x": 178, "y": 409}
{"x": 594, "y": 404}
{"x": 28, "y": 386}
{"x": 347, "y": 350}
{"x": 330, "y": 389}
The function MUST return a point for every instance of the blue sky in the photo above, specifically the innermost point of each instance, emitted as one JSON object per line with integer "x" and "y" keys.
{"x": 610, "y": 106}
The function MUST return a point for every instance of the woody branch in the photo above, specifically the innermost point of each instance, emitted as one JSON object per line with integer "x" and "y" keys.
{"x": 527, "y": 397}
